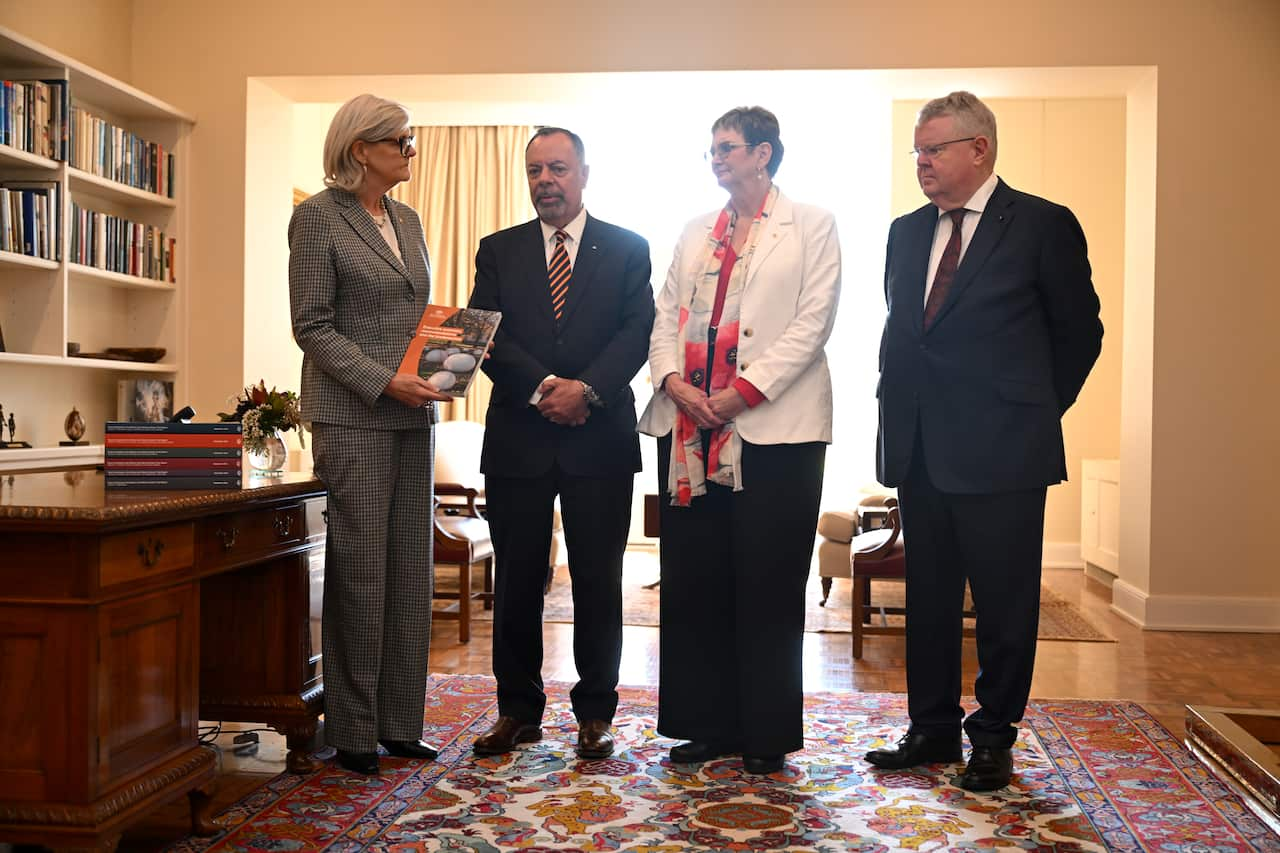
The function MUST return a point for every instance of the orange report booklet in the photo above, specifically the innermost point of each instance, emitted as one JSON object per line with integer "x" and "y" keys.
{"x": 449, "y": 346}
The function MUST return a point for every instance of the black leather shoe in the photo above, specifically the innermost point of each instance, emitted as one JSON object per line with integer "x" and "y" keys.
{"x": 697, "y": 751}
{"x": 989, "y": 768}
{"x": 365, "y": 763}
{"x": 762, "y": 765}
{"x": 504, "y": 736}
{"x": 410, "y": 749}
{"x": 594, "y": 739}
{"x": 916, "y": 748}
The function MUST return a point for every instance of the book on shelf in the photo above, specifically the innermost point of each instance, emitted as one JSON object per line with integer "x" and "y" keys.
{"x": 198, "y": 482}
{"x": 160, "y": 440}
{"x": 172, "y": 427}
{"x": 33, "y": 117}
{"x": 29, "y": 212}
{"x": 100, "y": 148}
{"x": 170, "y": 452}
{"x": 449, "y": 345}
{"x": 120, "y": 245}
{"x": 171, "y": 467}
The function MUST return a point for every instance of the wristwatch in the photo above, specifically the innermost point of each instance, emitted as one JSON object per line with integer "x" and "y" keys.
{"x": 589, "y": 394}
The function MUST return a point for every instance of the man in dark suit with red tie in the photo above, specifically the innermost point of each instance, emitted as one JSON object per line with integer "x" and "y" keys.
{"x": 992, "y": 328}
{"x": 577, "y": 309}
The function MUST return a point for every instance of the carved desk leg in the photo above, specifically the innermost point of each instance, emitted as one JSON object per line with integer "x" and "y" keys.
{"x": 301, "y": 741}
{"x": 203, "y": 823}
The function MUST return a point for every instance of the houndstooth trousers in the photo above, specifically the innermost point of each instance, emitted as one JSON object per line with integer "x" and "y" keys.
{"x": 377, "y": 584}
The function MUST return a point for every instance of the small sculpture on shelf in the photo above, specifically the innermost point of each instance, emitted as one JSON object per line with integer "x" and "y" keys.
{"x": 74, "y": 428}
{"x": 12, "y": 442}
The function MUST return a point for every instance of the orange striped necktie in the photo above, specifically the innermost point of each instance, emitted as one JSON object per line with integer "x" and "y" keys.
{"x": 558, "y": 275}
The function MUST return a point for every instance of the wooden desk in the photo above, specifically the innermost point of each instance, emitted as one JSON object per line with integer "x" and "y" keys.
{"x": 125, "y": 618}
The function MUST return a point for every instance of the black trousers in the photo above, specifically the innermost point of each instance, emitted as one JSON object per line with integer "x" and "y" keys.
{"x": 994, "y": 541}
{"x": 596, "y": 513}
{"x": 734, "y": 568}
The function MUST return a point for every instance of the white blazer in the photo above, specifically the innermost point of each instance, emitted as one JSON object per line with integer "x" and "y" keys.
{"x": 788, "y": 309}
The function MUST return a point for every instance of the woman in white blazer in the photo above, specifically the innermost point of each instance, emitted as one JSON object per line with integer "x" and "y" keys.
{"x": 742, "y": 412}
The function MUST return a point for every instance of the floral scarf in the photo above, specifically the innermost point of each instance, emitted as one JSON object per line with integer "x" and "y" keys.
{"x": 689, "y": 472}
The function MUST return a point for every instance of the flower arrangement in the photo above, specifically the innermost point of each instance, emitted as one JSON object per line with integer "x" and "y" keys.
{"x": 262, "y": 412}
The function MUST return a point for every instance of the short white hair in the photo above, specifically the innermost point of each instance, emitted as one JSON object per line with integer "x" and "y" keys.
{"x": 972, "y": 117}
{"x": 364, "y": 117}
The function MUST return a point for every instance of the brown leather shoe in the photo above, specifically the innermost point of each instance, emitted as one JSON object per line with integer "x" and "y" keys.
{"x": 594, "y": 739}
{"x": 504, "y": 736}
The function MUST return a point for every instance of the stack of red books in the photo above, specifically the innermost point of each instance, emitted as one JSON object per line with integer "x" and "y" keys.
{"x": 172, "y": 455}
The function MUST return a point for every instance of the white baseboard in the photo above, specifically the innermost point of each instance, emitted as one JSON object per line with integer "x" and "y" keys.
{"x": 1103, "y": 576}
{"x": 1195, "y": 612}
{"x": 1062, "y": 555}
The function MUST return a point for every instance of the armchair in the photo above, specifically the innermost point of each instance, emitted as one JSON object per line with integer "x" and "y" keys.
{"x": 879, "y": 554}
{"x": 461, "y": 538}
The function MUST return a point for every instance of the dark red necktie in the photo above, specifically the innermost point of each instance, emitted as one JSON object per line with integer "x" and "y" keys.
{"x": 946, "y": 269}
{"x": 558, "y": 275}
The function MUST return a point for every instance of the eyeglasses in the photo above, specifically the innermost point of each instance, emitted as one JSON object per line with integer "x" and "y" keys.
{"x": 932, "y": 151}
{"x": 406, "y": 143}
{"x": 724, "y": 149}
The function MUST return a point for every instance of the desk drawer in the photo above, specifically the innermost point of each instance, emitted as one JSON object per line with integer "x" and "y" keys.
{"x": 238, "y": 537}
{"x": 140, "y": 554}
{"x": 317, "y": 514}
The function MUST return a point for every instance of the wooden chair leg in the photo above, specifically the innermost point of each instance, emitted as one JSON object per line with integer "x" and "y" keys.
{"x": 464, "y": 603}
{"x": 826, "y": 592}
{"x": 866, "y": 615}
{"x": 859, "y": 605}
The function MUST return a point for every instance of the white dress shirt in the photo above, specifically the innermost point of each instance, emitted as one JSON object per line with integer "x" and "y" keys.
{"x": 574, "y": 229}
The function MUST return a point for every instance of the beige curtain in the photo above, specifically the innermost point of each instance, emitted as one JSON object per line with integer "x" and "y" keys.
{"x": 467, "y": 183}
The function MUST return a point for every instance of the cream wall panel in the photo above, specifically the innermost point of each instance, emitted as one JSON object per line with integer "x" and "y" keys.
{"x": 269, "y": 349}
{"x": 98, "y": 33}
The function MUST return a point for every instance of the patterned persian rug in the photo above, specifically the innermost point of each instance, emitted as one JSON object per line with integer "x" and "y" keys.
{"x": 1089, "y": 776}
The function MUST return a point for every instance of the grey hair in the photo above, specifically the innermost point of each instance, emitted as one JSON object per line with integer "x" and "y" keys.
{"x": 364, "y": 117}
{"x": 578, "y": 146}
{"x": 972, "y": 117}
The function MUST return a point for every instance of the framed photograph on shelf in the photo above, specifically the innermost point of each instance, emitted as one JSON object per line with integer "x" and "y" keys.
{"x": 146, "y": 400}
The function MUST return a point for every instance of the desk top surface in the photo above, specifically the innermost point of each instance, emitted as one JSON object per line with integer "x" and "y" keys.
{"x": 81, "y": 496}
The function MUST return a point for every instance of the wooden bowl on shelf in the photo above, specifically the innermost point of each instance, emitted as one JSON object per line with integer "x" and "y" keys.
{"x": 149, "y": 354}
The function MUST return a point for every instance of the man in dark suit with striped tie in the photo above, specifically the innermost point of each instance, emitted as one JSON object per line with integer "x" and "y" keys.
{"x": 992, "y": 328}
{"x": 577, "y": 308}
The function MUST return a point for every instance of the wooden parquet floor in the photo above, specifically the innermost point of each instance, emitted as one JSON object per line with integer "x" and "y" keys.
{"x": 1163, "y": 671}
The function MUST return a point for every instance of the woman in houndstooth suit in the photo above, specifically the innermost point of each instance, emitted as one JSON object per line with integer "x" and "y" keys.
{"x": 359, "y": 278}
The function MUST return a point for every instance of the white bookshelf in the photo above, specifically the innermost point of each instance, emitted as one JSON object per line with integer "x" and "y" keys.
{"x": 47, "y": 304}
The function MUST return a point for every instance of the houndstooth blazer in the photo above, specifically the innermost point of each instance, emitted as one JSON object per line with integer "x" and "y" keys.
{"x": 355, "y": 308}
